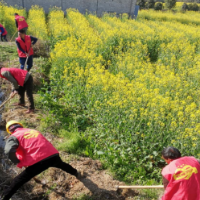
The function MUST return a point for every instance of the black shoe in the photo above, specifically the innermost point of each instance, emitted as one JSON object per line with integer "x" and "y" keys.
{"x": 80, "y": 174}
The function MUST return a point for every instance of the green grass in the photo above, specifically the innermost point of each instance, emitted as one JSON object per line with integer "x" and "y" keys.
{"x": 72, "y": 141}
{"x": 8, "y": 51}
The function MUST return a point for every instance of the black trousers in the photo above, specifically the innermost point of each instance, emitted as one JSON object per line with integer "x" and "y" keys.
{"x": 34, "y": 170}
{"x": 3, "y": 37}
{"x": 28, "y": 87}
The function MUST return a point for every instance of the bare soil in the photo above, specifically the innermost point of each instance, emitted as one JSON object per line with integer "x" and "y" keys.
{"x": 54, "y": 184}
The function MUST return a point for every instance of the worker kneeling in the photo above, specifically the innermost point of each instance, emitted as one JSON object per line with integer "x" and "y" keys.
{"x": 181, "y": 177}
{"x": 30, "y": 149}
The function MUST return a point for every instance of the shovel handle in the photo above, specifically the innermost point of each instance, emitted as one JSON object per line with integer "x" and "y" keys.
{"x": 27, "y": 57}
{"x": 5, "y": 102}
{"x": 140, "y": 187}
{"x": 13, "y": 35}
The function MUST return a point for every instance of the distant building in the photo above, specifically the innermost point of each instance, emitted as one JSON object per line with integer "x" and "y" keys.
{"x": 93, "y": 6}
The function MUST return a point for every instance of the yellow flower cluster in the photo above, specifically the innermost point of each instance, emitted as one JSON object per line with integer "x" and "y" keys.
{"x": 37, "y": 23}
{"x": 185, "y": 18}
{"x": 7, "y": 18}
{"x": 57, "y": 24}
{"x": 138, "y": 80}
{"x": 78, "y": 51}
{"x": 146, "y": 69}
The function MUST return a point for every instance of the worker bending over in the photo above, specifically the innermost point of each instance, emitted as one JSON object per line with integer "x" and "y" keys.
{"x": 21, "y": 81}
{"x": 181, "y": 177}
{"x": 25, "y": 51}
{"x": 30, "y": 149}
{"x": 20, "y": 23}
{"x": 3, "y": 33}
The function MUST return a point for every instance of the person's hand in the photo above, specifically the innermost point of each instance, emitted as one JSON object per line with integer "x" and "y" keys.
{"x": 13, "y": 94}
{"x": 6, "y": 137}
{"x": 27, "y": 55}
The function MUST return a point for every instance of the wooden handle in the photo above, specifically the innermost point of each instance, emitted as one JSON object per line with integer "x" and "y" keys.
{"x": 13, "y": 35}
{"x": 140, "y": 187}
{"x": 5, "y": 102}
{"x": 27, "y": 57}
{"x": 26, "y": 62}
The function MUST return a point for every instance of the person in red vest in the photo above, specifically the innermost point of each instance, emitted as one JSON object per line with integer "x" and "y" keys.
{"x": 181, "y": 177}
{"x": 24, "y": 47}
{"x": 20, "y": 23}
{"x": 3, "y": 33}
{"x": 30, "y": 149}
{"x": 21, "y": 81}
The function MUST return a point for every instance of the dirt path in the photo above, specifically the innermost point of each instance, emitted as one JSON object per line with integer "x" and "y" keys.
{"x": 55, "y": 184}
{"x": 97, "y": 185}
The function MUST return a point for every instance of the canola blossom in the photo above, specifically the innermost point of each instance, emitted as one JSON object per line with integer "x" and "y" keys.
{"x": 137, "y": 80}
{"x": 37, "y": 23}
{"x": 185, "y": 18}
{"x": 132, "y": 85}
{"x": 57, "y": 24}
{"x": 7, "y": 18}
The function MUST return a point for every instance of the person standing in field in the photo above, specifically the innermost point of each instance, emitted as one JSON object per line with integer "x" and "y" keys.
{"x": 21, "y": 81}
{"x": 25, "y": 51}
{"x": 30, "y": 149}
{"x": 20, "y": 23}
{"x": 181, "y": 177}
{"x": 3, "y": 33}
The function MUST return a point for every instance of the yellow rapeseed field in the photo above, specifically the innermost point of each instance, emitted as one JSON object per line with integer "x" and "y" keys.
{"x": 127, "y": 87}
{"x": 37, "y": 23}
{"x": 138, "y": 80}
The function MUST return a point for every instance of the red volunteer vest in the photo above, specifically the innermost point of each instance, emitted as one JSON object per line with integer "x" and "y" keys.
{"x": 18, "y": 74}
{"x": 25, "y": 46}
{"x": 5, "y": 32}
{"x": 183, "y": 175}
{"x": 21, "y": 22}
{"x": 33, "y": 147}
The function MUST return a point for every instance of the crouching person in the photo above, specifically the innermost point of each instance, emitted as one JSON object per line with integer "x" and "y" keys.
{"x": 30, "y": 149}
{"x": 181, "y": 177}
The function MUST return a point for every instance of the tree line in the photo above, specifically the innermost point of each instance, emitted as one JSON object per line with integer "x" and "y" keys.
{"x": 169, "y": 4}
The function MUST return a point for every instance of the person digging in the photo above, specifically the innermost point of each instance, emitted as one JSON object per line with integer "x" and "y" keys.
{"x": 181, "y": 177}
{"x": 20, "y": 23}
{"x": 30, "y": 149}
{"x": 21, "y": 81}
{"x": 24, "y": 48}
